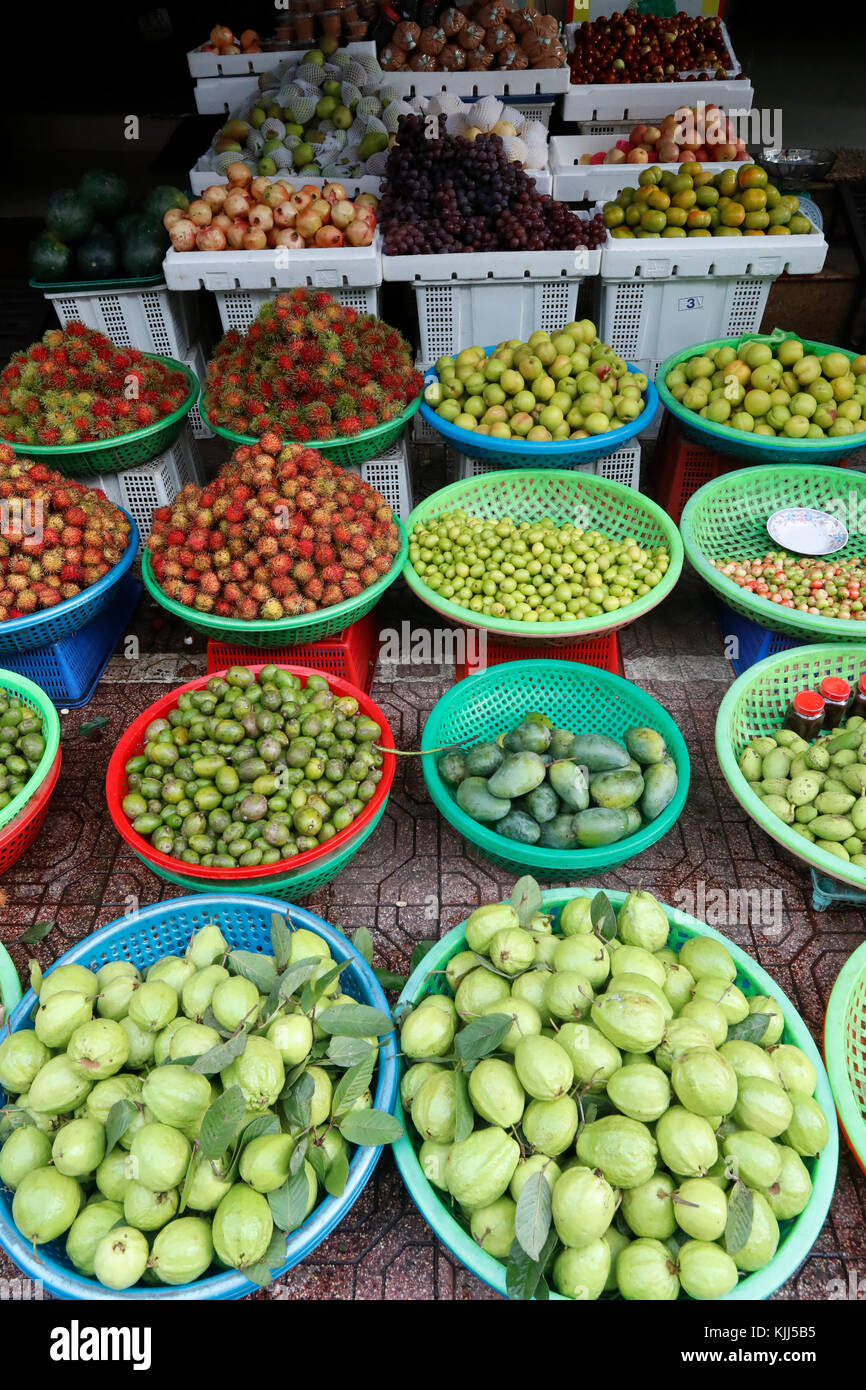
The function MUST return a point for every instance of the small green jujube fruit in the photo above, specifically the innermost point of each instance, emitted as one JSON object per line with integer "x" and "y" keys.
{"x": 535, "y": 1163}
{"x": 265, "y": 1161}
{"x": 475, "y": 991}
{"x": 147, "y": 1210}
{"x": 687, "y": 1143}
{"x": 259, "y": 1072}
{"x": 45, "y": 1204}
{"x": 622, "y": 1148}
{"x": 495, "y": 1092}
{"x": 492, "y": 1227}
{"x": 701, "y": 1209}
{"x": 58, "y": 1017}
{"x": 183, "y": 1250}
{"x": 79, "y": 1148}
{"x": 763, "y": 1239}
{"x": 705, "y": 1083}
{"x": 641, "y": 1091}
{"x": 121, "y": 1257}
{"x": 763, "y": 1106}
{"x": 22, "y": 1056}
{"x": 242, "y": 1227}
{"x": 175, "y": 1095}
{"x": 807, "y": 1130}
{"x": 543, "y": 1068}
{"x": 427, "y": 1033}
{"x": 433, "y": 1157}
{"x": 434, "y": 1108}
{"x": 757, "y": 1161}
{"x": 790, "y": 1193}
{"x": 550, "y": 1125}
{"x": 87, "y": 1230}
{"x": 648, "y": 1208}
{"x": 479, "y": 1169}
{"x": 26, "y": 1148}
{"x": 582, "y": 1274}
{"x": 706, "y": 1270}
{"x": 583, "y": 1205}
{"x": 645, "y": 1271}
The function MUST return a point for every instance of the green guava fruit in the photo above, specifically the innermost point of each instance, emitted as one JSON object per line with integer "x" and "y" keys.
{"x": 172, "y": 970}
{"x": 197, "y": 993}
{"x": 583, "y": 1206}
{"x": 763, "y": 1106}
{"x": 575, "y": 918}
{"x": 121, "y": 1257}
{"x": 98, "y": 1049}
{"x": 755, "y": 1159}
{"x": 550, "y": 1125}
{"x": 22, "y": 1056}
{"x": 479, "y": 1169}
{"x": 678, "y": 986}
{"x": 623, "y": 1149}
{"x": 763, "y": 1240}
{"x": 58, "y": 1017}
{"x": 207, "y": 946}
{"x": 90, "y": 1225}
{"x": 512, "y": 950}
{"x": 730, "y": 999}
{"x": 534, "y": 1163}
{"x": 632, "y": 1022}
{"x": 680, "y": 1035}
{"x": 58, "y": 1087}
{"x": 616, "y": 1242}
{"x": 477, "y": 989}
{"x": 147, "y": 1210}
{"x": 641, "y": 1091}
{"x": 25, "y": 1149}
{"x": 265, "y": 1161}
{"x": 527, "y": 1020}
{"x": 748, "y": 1059}
{"x": 292, "y": 1036}
{"x": 492, "y": 1227}
{"x": 79, "y": 1148}
{"x": 703, "y": 955}
{"x": 705, "y": 1083}
{"x": 764, "y": 1004}
{"x": 543, "y": 1067}
{"x": 320, "y": 1105}
{"x": 701, "y": 1209}
{"x": 177, "y": 1096}
{"x": 593, "y": 1057}
{"x": 790, "y": 1193}
{"x": 807, "y": 1131}
{"x": 634, "y": 960}
{"x": 646, "y": 1272}
{"x": 585, "y": 954}
{"x": 183, "y": 1251}
{"x": 709, "y": 1016}
{"x": 63, "y": 977}
{"x": 413, "y": 1079}
{"x": 113, "y": 1176}
{"x": 114, "y": 997}
{"x": 234, "y": 1002}
{"x": 192, "y": 1040}
{"x": 159, "y": 1157}
{"x": 567, "y": 995}
{"x": 495, "y": 1093}
{"x": 162, "y": 1041}
{"x": 208, "y": 1184}
{"x": 259, "y": 1072}
{"x": 793, "y": 1070}
{"x": 529, "y": 987}
{"x": 141, "y": 1043}
{"x": 483, "y": 924}
{"x": 242, "y": 1227}
{"x": 458, "y": 966}
{"x": 627, "y": 983}
{"x": 433, "y": 1157}
{"x": 648, "y": 1208}
{"x": 116, "y": 970}
{"x": 642, "y": 922}
{"x": 153, "y": 1006}
{"x": 687, "y": 1143}
{"x": 306, "y": 944}
{"x": 706, "y": 1270}
{"x": 582, "y": 1274}
{"x": 45, "y": 1204}
{"x": 427, "y": 1033}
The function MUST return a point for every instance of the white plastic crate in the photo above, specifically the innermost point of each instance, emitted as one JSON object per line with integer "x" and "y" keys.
{"x": 218, "y": 95}
{"x": 664, "y": 258}
{"x": 390, "y": 476}
{"x": 650, "y": 319}
{"x": 201, "y": 178}
{"x": 195, "y": 360}
{"x": 531, "y": 83}
{"x": 155, "y": 319}
{"x": 141, "y": 490}
{"x": 574, "y": 182}
{"x": 238, "y": 308}
{"x": 276, "y": 268}
{"x": 621, "y": 467}
{"x": 203, "y": 64}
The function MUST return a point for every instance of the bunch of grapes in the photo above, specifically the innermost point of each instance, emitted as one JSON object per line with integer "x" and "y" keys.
{"x": 452, "y": 195}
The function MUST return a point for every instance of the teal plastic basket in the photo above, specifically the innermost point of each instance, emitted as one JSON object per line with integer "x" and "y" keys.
{"x": 576, "y": 697}
{"x": 10, "y": 985}
{"x": 356, "y": 448}
{"x": 796, "y": 1237}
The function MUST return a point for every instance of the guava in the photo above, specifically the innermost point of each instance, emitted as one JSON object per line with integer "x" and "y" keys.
{"x": 701, "y": 1209}
{"x": 63, "y": 977}
{"x": 623, "y": 1149}
{"x": 705, "y": 1083}
{"x": 583, "y": 1206}
{"x": 703, "y": 955}
{"x": 706, "y": 1270}
{"x": 592, "y": 1056}
{"x": 479, "y": 1169}
{"x": 434, "y": 1108}
{"x": 458, "y": 966}
{"x": 177, "y": 1096}
{"x": 197, "y": 993}
{"x": 116, "y": 970}
{"x": 755, "y": 1159}
{"x": 236, "y": 1001}
{"x": 79, "y": 1148}
{"x": 585, "y": 954}
{"x": 183, "y": 1251}
{"x": 495, "y": 1092}
{"x": 641, "y": 922}
{"x": 646, "y": 1272}
{"x": 121, "y": 1257}
{"x": 242, "y": 1227}
{"x": 207, "y": 1184}
{"x": 582, "y": 1274}
{"x": 545, "y": 948}
{"x": 58, "y": 1018}
{"x": 430, "y": 1001}
{"x": 680, "y": 1035}
{"x": 141, "y": 1043}
{"x": 512, "y": 950}
{"x": 192, "y": 1040}
{"x": 648, "y": 1208}
{"x": 793, "y": 1070}
{"x": 259, "y": 1072}
{"x": 159, "y": 1157}
{"x": 45, "y": 1204}
{"x": 730, "y": 999}
{"x": 113, "y": 1176}
{"x": 687, "y": 1143}
{"x": 748, "y": 1059}
{"x": 575, "y": 918}
{"x": 763, "y": 1240}
{"x": 483, "y": 924}
{"x": 58, "y": 1087}
{"x": 25, "y": 1149}
{"x": 413, "y": 1079}
{"x": 764, "y": 1106}
{"x": 162, "y": 1041}
{"x": 114, "y": 997}
{"x": 633, "y": 1022}
{"x": 567, "y": 995}
{"x": 22, "y": 1056}
{"x": 492, "y": 1227}
{"x": 98, "y": 1049}
{"x": 530, "y": 988}
{"x": 306, "y": 944}
{"x": 477, "y": 989}
{"x": 543, "y": 1068}
{"x": 207, "y": 946}
{"x": 320, "y": 1105}
{"x": 292, "y": 1036}
{"x": 428, "y": 1032}
{"x": 527, "y": 1020}
{"x": 807, "y": 1131}
{"x": 790, "y": 1193}
{"x": 639, "y": 984}
{"x": 535, "y": 1163}
{"x": 172, "y": 970}
{"x": 616, "y": 1242}
{"x": 634, "y": 960}
{"x": 153, "y": 1006}
{"x": 764, "y": 1004}
{"x": 641, "y": 1091}
{"x": 433, "y": 1157}
{"x": 265, "y": 1161}
{"x": 87, "y": 1230}
{"x": 147, "y": 1210}
{"x": 709, "y": 1016}
{"x": 550, "y": 1125}
{"x": 678, "y": 985}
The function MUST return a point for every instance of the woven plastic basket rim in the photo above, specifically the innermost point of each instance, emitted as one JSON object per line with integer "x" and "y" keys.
{"x": 851, "y": 1117}
{"x": 338, "y": 442}
{"x": 20, "y": 685}
{"x": 562, "y": 450}
{"x": 806, "y": 1227}
{"x": 246, "y": 877}
{"x": 570, "y": 862}
{"x": 438, "y": 502}
{"x": 325, "y": 1216}
{"x": 34, "y": 621}
{"x": 776, "y": 828}
{"x": 10, "y": 985}
{"x": 28, "y": 813}
{"x": 210, "y": 622}
{"x": 73, "y": 451}
{"x": 130, "y": 282}
{"x": 811, "y": 627}
{"x": 762, "y": 444}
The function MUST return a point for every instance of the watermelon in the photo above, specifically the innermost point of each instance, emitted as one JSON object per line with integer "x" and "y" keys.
{"x": 159, "y": 200}
{"x": 97, "y": 257}
{"x": 68, "y": 216}
{"x": 142, "y": 252}
{"x": 105, "y": 192}
{"x": 51, "y": 261}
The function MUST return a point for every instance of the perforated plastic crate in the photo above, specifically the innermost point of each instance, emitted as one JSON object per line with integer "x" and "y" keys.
{"x": 574, "y": 182}
{"x": 195, "y": 360}
{"x": 681, "y": 466}
{"x": 390, "y": 476}
{"x": 604, "y": 652}
{"x": 141, "y": 490}
{"x": 621, "y": 467}
{"x": 746, "y": 641}
{"x": 238, "y": 308}
{"x": 153, "y": 320}
{"x": 351, "y": 654}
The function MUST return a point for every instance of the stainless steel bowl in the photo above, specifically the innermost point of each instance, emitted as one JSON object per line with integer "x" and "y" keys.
{"x": 796, "y": 168}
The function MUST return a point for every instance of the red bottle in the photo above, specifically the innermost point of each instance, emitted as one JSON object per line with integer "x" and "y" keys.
{"x": 805, "y": 714}
{"x": 837, "y": 697}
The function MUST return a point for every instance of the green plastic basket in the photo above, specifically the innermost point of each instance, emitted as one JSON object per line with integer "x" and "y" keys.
{"x": 261, "y": 635}
{"x": 727, "y": 518}
{"x": 530, "y": 494}
{"x": 576, "y": 697}
{"x": 10, "y": 985}
{"x": 36, "y": 698}
{"x": 128, "y": 282}
{"x": 369, "y": 444}
{"x": 756, "y": 448}
{"x": 756, "y": 704}
{"x": 128, "y": 450}
{"x": 845, "y": 1051}
{"x": 797, "y": 1236}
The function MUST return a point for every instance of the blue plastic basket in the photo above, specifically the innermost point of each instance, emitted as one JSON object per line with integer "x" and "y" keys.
{"x": 166, "y": 928}
{"x": 522, "y": 453}
{"x": 53, "y": 624}
{"x": 69, "y": 670}
{"x": 753, "y": 642}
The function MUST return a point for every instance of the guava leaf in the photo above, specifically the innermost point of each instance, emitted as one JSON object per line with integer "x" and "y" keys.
{"x": 316, "y": 1160}
{"x": 741, "y": 1209}
{"x": 187, "y": 1181}
{"x": 488, "y": 965}
{"x": 355, "y": 1021}
{"x": 35, "y": 976}
{"x": 209, "y": 1063}
{"x": 526, "y": 899}
{"x": 370, "y": 1127}
{"x": 275, "y": 1255}
{"x": 750, "y": 1029}
{"x": 262, "y": 1124}
{"x": 291, "y": 979}
{"x": 348, "y": 1052}
{"x": 482, "y": 1036}
{"x": 211, "y": 1020}
{"x": 297, "y": 1104}
{"x": 388, "y": 980}
{"x": 258, "y": 1274}
{"x": 37, "y": 932}
{"x": 465, "y": 1116}
{"x": 120, "y": 1117}
{"x": 351, "y": 1086}
{"x": 336, "y": 1175}
{"x": 602, "y": 916}
{"x": 220, "y": 1123}
{"x": 289, "y": 1203}
{"x": 363, "y": 943}
{"x": 524, "y": 1276}
{"x": 314, "y": 989}
{"x": 92, "y": 725}
{"x": 533, "y": 1215}
{"x": 253, "y": 966}
{"x": 299, "y": 1153}
{"x": 281, "y": 941}
{"x": 422, "y": 949}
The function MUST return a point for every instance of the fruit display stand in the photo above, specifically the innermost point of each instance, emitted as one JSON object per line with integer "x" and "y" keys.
{"x": 487, "y": 297}
{"x": 623, "y": 466}
{"x": 139, "y": 491}
{"x": 351, "y": 654}
{"x": 574, "y": 182}
{"x": 144, "y": 314}
{"x": 218, "y": 91}
{"x": 242, "y": 280}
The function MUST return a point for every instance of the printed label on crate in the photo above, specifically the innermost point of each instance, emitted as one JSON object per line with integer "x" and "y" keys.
{"x": 690, "y": 301}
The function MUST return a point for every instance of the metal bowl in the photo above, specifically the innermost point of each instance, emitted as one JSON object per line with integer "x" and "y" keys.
{"x": 796, "y": 168}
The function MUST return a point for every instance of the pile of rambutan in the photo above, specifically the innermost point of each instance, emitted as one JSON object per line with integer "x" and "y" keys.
{"x": 56, "y": 537}
{"x": 281, "y": 531}
{"x": 309, "y": 369}
{"x": 77, "y": 387}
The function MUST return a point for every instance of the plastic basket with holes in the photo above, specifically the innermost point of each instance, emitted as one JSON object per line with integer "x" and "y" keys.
{"x": 195, "y": 360}
{"x": 10, "y": 985}
{"x": 621, "y": 467}
{"x": 244, "y": 921}
{"x": 845, "y": 1051}
{"x": 146, "y": 314}
{"x": 353, "y": 449}
{"x": 36, "y": 700}
{"x": 17, "y": 837}
{"x": 389, "y": 474}
{"x": 141, "y": 490}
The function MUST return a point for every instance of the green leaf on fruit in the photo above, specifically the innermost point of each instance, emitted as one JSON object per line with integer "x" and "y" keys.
{"x": 187, "y": 1180}
{"x": 370, "y": 1127}
{"x": 291, "y": 979}
{"x": 602, "y": 916}
{"x": 741, "y": 1209}
{"x": 314, "y": 990}
{"x": 297, "y": 1104}
{"x": 317, "y": 1161}
{"x": 482, "y": 1036}
{"x": 336, "y": 1175}
{"x": 348, "y": 1052}
{"x": 525, "y": 1276}
{"x": 488, "y": 965}
{"x": 262, "y": 1124}
{"x": 351, "y": 1086}
{"x": 256, "y": 968}
{"x": 355, "y": 1021}
{"x": 258, "y": 1274}
{"x": 289, "y": 1203}
{"x": 389, "y": 980}
{"x": 37, "y": 932}
{"x": 526, "y": 899}
{"x": 465, "y": 1116}
{"x": 220, "y": 1123}
{"x": 120, "y": 1117}
{"x": 750, "y": 1029}
{"x": 209, "y": 1063}
{"x": 281, "y": 941}
{"x": 533, "y": 1215}
{"x": 363, "y": 943}
{"x": 275, "y": 1255}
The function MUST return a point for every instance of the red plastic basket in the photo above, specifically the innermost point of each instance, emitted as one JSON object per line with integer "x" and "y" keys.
{"x": 603, "y": 652}
{"x": 351, "y": 654}
{"x": 682, "y": 466}
{"x": 132, "y": 742}
{"x": 19, "y": 834}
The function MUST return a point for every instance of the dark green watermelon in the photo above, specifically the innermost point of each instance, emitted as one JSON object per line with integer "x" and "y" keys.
{"x": 106, "y": 193}
{"x": 68, "y": 216}
{"x": 98, "y": 257}
{"x": 159, "y": 200}
{"x": 142, "y": 252}
{"x": 51, "y": 261}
